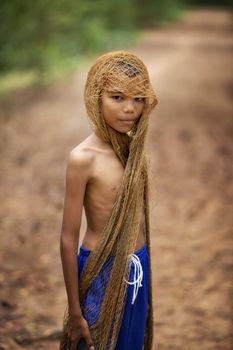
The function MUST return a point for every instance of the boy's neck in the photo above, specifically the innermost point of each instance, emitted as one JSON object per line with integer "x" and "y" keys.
{"x": 101, "y": 141}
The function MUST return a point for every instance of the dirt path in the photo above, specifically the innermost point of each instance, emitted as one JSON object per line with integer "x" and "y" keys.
{"x": 190, "y": 145}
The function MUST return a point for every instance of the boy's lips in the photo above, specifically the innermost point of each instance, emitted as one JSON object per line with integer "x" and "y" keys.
{"x": 127, "y": 121}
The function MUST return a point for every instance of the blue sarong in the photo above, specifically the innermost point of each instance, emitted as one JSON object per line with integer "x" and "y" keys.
{"x": 133, "y": 326}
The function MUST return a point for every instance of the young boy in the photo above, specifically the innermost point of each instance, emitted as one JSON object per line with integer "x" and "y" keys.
{"x": 109, "y": 283}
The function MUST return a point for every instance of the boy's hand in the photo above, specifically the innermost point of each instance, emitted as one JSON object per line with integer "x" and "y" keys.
{"x": 79, "y": 329}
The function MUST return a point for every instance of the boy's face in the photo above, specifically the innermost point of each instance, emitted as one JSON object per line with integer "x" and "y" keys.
{"x": 119, "y": 110}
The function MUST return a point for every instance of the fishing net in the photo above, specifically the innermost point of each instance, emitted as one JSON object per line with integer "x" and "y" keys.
{"x": 102, "y": 284}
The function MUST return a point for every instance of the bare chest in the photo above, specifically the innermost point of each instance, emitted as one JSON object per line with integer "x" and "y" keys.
{"x": 105, "y": 181}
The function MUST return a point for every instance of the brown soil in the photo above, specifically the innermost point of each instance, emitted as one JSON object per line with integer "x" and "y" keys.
{"x": 190, "y": 146}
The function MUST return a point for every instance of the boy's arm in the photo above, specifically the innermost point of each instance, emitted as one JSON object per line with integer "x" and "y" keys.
{"x": 77, "y": 175}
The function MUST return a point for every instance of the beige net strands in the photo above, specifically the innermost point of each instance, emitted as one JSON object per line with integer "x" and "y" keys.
{"x": 107, "y": 268}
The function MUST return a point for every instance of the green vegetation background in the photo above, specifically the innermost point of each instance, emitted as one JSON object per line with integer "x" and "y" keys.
{"x": 40, "y": 38}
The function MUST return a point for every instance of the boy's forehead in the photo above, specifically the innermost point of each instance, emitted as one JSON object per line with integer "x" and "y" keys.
{"x": 128, "y": 86}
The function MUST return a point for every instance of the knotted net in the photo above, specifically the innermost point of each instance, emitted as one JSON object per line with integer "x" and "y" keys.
{"x": 102, "y": 284}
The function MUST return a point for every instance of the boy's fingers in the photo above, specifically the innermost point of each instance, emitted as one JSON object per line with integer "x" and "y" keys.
{"x": 90, "y": 345}
{"x": 73, "y": 346}
{"x": 89, "y": 342}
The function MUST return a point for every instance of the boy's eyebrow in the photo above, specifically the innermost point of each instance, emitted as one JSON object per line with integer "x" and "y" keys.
{"x": 114, "y": 92}
{"x": 117, "y": 92}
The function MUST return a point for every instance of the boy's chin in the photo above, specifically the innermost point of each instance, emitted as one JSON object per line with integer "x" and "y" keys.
{"x": 127, "y": 132}
{"x": 122, "y": 131}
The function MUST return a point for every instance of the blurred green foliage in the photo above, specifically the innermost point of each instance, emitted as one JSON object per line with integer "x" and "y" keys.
{"x": 43, "y": 34}
{"x": 152, "y": 13}
{"x": 40, "y": 34}
{"x": 222, "y": 3}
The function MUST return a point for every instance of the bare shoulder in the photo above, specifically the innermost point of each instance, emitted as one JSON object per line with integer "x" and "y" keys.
{"x": 80, "y": 156}
{"x": 88, "y": 150}
{"x": 81, "y": 159}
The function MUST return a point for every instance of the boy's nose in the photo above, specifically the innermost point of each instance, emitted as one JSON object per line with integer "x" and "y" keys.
{"x": 129, "y": 106}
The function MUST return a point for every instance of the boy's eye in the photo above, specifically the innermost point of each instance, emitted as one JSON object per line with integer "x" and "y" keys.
{"x": 139, "y": 99}
{"x": 117, "y": 97}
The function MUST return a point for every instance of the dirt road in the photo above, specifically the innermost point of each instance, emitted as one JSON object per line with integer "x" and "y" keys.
{"x": 190, "y": 145}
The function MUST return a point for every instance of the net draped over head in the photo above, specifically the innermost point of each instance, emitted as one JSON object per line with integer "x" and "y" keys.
{"x": 107, "y": 266}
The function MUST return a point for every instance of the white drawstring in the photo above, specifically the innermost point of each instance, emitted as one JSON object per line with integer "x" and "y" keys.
{"x": 138, "y": 275}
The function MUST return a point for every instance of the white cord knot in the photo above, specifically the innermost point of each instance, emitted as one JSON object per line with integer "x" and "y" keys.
{"x": 138, "y": 275}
